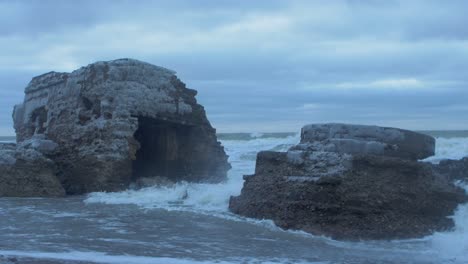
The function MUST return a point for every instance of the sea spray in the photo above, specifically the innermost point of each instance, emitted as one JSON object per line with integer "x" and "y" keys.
{"x": 453, "y": 245}
{"x": 197, "y": 196}
{"x": 449, "y": 148}
{"x": 212, "y": 200}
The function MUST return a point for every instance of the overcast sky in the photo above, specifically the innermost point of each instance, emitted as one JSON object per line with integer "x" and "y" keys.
{"x": 260, "y": 65}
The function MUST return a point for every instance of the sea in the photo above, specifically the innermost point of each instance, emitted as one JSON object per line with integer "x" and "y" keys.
{"x": 191, "y": 223}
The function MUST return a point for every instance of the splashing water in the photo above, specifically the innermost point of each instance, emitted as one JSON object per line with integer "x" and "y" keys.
{"x": 449, "y": 148}
{"x": 202, "y": 197}
{"x": 454, "y": 245}
{"x": 190, "y": 223}
{"x": 214, "y": 198}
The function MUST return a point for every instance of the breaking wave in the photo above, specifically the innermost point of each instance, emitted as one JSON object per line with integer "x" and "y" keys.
{"x": 450, "y": 148}
{"x": 242, "y": 155}
{"x": 213, "y": 199}
{"x": 198, "y": 196}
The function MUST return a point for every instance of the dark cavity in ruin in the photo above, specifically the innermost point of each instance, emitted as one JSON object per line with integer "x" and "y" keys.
{"x": 165, "y": 150}
{"x": 38, "y": 118}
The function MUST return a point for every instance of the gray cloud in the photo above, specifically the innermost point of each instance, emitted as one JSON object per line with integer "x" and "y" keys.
{"x": 260, "y": 65}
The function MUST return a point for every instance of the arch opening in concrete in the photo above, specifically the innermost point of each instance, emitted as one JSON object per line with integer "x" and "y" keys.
{"x": 38, "y": 121}
{"x": 165, "y": 150}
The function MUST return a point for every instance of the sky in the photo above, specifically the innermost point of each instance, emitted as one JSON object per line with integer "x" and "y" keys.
{"x": 260, "y": 66}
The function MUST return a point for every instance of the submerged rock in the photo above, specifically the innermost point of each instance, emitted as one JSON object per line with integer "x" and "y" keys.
{"x": 453, "y": 169}
{"x": 363, "y": 189}
{"x": 109, "y": 123}
{"x": 8, "y": 260}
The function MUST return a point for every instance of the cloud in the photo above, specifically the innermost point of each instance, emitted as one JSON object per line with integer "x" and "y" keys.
{"x": 407, "y": 85}
{"x": 385, "y": 84}
{"x": 258, "y": 64}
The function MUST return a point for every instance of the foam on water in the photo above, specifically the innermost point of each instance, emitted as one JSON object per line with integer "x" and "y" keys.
{"x": 454, "y": 245}
{"x": 256, "y": 135}
{"x": 242, "y": 155}
{"x": 213, "y": 199}
{"x": 201, "y": 197}
{"x": 99, "y": 257}
{"x": 449, "y": 148}
{"x": 181, "y": 196}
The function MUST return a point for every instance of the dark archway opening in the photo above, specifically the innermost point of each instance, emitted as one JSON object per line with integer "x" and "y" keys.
{"x": 165, "y": 150}
{"x": 38, "y": 121}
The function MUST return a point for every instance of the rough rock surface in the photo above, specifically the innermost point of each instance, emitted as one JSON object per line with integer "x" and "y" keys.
{"x": 347, "y": 194}
{"x": 25, "y": 172}
{"x": 453, "y": 169}
{"x": 360, "y": 139}
{"x": 110, "y": 123}
{"x": 8, "y": 260}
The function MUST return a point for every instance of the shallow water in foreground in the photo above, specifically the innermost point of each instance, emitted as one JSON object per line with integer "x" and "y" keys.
{"x": 161, "y": 225}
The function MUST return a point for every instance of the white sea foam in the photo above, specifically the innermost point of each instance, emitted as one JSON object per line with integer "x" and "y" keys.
{"x": 99, "y": 257}
{"x": 256, "y": 135}
{"x": 449, "y": 148}
{"x": 201, "y": 197}
{"x": 181, "y": 196}
{"x": 454, "y": 245}
{"x": 213, "y": 199}
{"x": 242, "y": 154}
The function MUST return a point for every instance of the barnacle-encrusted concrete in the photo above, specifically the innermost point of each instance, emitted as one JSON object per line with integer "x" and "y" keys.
{"x": 117, "y": 121}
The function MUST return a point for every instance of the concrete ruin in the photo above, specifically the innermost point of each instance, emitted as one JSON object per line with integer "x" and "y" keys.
{"x": 110, "y": 123}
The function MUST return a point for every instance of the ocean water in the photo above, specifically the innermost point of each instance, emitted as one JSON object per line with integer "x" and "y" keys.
{"x": 7, "y": 139}
{"x": 190, "y": 223}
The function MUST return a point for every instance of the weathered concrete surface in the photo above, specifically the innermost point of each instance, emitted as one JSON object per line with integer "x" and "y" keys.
{"x": 348, "y": 195}
{"x": 374, "y": 140}
{"x": 114, "y": 122}
{"x": 25, "y": 172}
